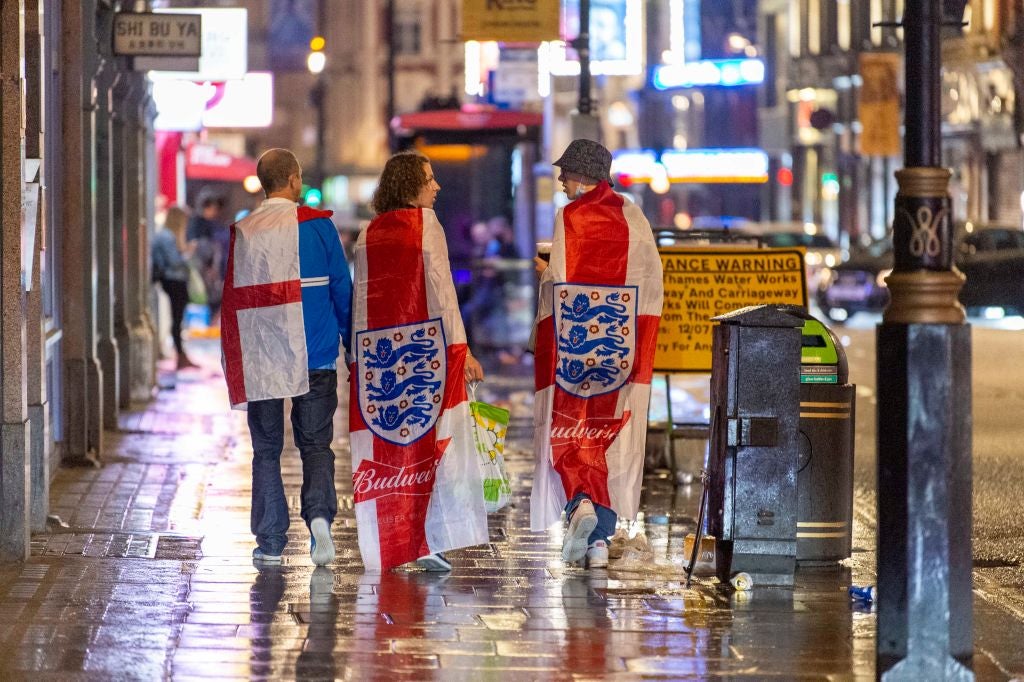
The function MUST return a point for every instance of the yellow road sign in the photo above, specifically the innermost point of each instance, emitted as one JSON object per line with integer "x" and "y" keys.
{"x": 702, "y": 282}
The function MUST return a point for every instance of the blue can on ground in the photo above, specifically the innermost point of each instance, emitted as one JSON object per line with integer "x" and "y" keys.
{"x": 865, "y": 593}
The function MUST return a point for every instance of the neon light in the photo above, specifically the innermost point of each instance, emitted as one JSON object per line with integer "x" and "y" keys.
{"x": 638, "y": 165}
{"x": 472, "y": 68}
{"x": 740, "y": 165}
{"x": 675, "y": 31}
{"x": 544, "y": 69}
{"x": 716, "y": 165}
{"x": 713, "y": 72}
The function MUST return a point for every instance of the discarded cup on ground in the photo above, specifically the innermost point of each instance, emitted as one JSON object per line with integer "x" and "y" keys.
{"x": 865, "y": 593}
{"x": 742, "y": 582}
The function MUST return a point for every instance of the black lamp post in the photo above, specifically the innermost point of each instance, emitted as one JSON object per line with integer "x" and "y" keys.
{"x": 925, "y": 627}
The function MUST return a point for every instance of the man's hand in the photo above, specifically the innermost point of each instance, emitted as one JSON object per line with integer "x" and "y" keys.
{"x": 473, "y": 371}
{"x": 539, "y": 264}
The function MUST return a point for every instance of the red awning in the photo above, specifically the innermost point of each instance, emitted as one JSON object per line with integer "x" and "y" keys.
{"x": 455, "y": 119}
{"x": 204, "y": 162}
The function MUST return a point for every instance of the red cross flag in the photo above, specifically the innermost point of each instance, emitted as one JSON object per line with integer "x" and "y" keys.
{"x": 417, "y": 485}
{"x": 597, "y": 324}
{"x": 262, "y": 334}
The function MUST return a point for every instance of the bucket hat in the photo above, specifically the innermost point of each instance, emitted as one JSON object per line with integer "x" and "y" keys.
{"x": 588, "y": 158}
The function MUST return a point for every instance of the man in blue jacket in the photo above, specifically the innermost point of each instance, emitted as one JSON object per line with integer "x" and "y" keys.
{"x": 287, "y": 307}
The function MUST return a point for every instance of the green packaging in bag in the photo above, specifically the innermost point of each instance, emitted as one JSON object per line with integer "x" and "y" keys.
{"x": 490, "y": 424}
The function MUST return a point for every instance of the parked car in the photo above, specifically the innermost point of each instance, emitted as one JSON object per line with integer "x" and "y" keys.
{"x": 708, "y": 236}
{"x": 857, "y": 284}
{"x": 821, "y": 251}
{"x": 991, "y": 257}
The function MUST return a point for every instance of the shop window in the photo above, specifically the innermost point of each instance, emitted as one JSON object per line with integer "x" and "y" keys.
{"x": 794, "y": 27}
{"x": 876, "y": 16}
{"x": 814, "y": 26}
{"x": 843, "y": 24}
{"x": 408, "y": 33}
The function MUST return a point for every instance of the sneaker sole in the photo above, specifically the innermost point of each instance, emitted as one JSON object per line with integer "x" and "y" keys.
{"x": 323, "y": 549}
{"x": 575, "y": 546}
{"x": 267, "y": 559}
{"x": 597, "y": 563}
{"x": 433, "y": 565}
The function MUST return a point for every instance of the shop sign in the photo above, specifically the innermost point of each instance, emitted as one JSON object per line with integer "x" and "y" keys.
{"x": 225, "y": 46}
{"x": 703, "y": 282}
{"x": 510, "y": 21}
{"x": 161, "y": 35}
{"x": 515, "y": 80}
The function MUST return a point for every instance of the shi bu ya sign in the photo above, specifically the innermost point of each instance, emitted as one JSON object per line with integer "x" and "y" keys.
{"x": 510, "y": 21}
{"x": 165, "y": 35}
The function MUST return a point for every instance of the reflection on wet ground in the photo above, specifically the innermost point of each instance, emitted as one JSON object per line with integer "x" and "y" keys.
{"x": 150, "y": 578}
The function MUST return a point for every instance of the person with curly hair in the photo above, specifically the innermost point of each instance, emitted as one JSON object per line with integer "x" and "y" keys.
{"x": 417, "y": 486}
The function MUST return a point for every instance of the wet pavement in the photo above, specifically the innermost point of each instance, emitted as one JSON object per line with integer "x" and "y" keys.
{"x": 145, "y": 573}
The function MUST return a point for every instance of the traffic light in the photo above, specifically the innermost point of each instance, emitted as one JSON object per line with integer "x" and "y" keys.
{"x": 317, "y": 60}
{"x": 312, "y": 196}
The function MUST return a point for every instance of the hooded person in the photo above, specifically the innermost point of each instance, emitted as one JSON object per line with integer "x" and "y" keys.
{"x": 417, "y": 485}
{"x": 596, "y": 328}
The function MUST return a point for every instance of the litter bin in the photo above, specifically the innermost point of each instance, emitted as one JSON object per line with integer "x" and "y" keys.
{"x": 755, "y": 443}
{"x": 825, "y": 478}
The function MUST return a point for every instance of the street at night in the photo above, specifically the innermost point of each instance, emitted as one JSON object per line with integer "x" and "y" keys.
{"x": 517, "y": 339}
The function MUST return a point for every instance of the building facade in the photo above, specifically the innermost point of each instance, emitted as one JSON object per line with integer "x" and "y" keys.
{"x": 827, "y": 52}
{"x": 78, "y": 343}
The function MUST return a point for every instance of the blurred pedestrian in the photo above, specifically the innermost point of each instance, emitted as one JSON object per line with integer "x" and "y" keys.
{"x": 209, "y": 237}
{"x": 417, "y": 484}
{"x": 171, "y": 270}
{"x": 596, "y": 327}
{"x": 484, "y": 313}
{"x": 287, "y": 307}
{"x": 484, "y": 293}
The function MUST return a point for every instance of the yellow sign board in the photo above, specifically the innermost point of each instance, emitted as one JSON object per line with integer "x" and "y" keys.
{"x": 703, "y": 282}
{"x": 879, "y": 105}
{"x": 511, "y": 21}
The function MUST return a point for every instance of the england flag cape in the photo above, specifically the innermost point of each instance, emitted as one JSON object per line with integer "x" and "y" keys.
{"x": 263, "y": 339}
{"x": 597, "y": 324}
{"x": 416, "y": 482}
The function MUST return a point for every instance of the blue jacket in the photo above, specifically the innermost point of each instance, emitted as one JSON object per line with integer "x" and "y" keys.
{"x": 326, "y": 310}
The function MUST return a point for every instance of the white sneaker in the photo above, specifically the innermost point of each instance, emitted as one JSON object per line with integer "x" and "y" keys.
{"x": 321, "y": 545}
{"x": 434, "y": 563}
{"x": 597, "y": 554}
{"x": 583, "y": 522}
{"x": 260, "y": 557}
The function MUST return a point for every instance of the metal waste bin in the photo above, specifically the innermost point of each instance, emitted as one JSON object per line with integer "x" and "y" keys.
{"x": 755, "y": 443}
{"x": 825, "y": 479}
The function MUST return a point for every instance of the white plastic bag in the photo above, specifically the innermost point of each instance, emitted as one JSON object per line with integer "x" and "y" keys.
{"x": 490, "y": 423}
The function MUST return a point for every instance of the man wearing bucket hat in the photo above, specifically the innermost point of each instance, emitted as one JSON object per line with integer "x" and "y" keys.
{"x": 597, "y": 323}
{"x": 584, "y": 163}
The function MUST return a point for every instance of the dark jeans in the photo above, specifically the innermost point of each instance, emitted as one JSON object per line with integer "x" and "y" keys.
{"x": 606, "y": 518}
{"x": 312, "y": 423}
{"x": 177, "y": 291}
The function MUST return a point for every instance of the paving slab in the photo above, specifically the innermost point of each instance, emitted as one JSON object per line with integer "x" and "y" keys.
{"x": 146, "y": 574}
